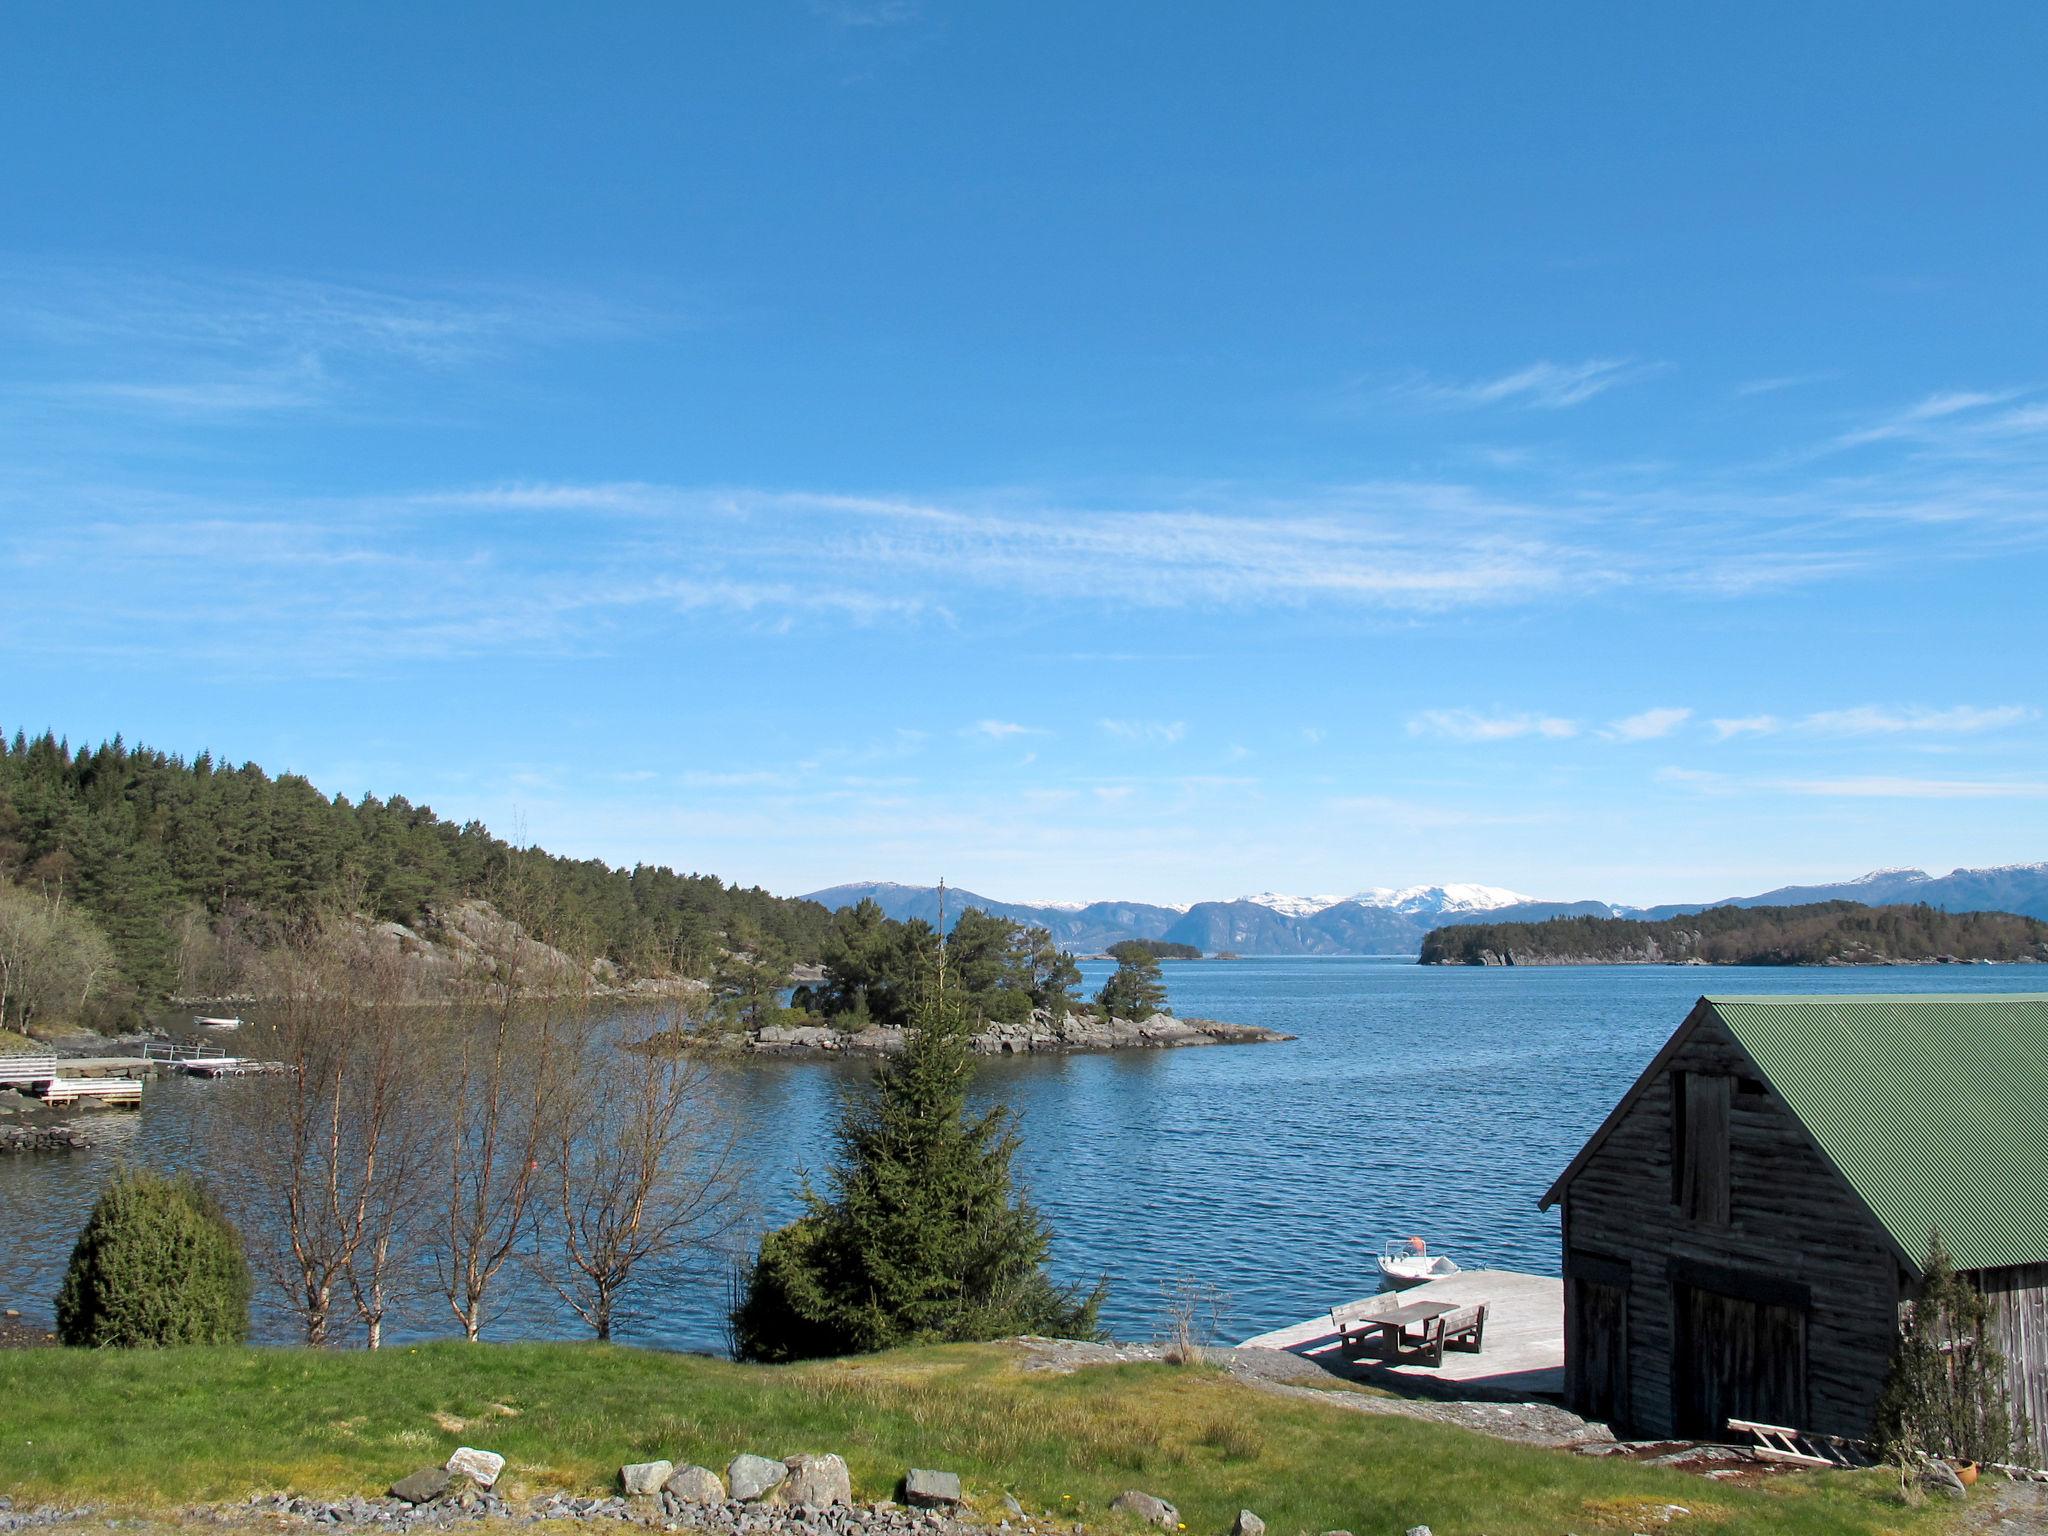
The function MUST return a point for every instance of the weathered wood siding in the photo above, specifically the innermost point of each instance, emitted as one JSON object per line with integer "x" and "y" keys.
{"x": 1794, "y": 1240}
{"x": 2019, "y": 1310}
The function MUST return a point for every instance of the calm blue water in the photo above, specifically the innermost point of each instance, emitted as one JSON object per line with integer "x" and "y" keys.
{"x": 1416, "y": 1099}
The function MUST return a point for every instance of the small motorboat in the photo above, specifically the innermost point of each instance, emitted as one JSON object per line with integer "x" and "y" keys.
{"x": 1408, "y": 1261}
{"x": 204, "y": 1023}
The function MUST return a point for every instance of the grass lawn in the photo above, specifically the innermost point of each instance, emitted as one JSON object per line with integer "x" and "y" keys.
{"x": 202, "y": 1424}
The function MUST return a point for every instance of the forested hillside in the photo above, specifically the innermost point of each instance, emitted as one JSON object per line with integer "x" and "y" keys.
{"x": 174, "y": 860}
{"x": 1832, "y": 932}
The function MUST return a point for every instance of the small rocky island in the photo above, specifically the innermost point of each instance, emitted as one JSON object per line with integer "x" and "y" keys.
{"x": 1041, "y": 1033}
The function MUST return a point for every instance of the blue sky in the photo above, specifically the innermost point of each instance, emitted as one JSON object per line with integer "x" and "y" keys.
{"x": 1155, "y": 451}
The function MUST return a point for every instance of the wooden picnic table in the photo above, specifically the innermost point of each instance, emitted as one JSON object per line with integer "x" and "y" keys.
{"x": 1395, "y": 1322}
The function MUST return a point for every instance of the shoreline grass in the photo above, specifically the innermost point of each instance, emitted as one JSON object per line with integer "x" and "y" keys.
{"x": 157, "y": 1429}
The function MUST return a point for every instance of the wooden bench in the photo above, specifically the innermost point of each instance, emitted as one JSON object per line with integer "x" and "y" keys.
{"x": 1462, "y": 1329}
{"x": 23, "y": 1070}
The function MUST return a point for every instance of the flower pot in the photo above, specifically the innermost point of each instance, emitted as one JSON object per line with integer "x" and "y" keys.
{"x": 1967, "y": 1471}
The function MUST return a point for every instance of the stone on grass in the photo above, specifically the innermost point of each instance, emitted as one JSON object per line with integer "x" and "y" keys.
{"x": 424, "y": 1486}
{"x": 1011, "y": 1507}
{"x": 817, "y": 1482}
{"x": 754, "y": 1477}
{"x": 480, "y": 1467}
{"x": 643, "y": 1478}
{"x": 696, "y": 1485}
{"x": 1420, "y": 1530}
{"x": 1152, "y": 1510}
{"x": 1248, "y": 1524}
{"x": 930, "y": 1490}
{"x": 1940, "y": 1476}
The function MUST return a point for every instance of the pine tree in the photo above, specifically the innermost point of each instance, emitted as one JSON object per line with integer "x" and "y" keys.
{"x": 158, "y": 1263}
{"x": 1135, "y": 991}
{"x": 922, "y": 1237}
{"x": 1946, "y": 1393}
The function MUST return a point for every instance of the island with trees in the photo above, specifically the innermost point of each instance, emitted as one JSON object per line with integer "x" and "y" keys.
{"x": 1016, "y": 990}
{"x": 1824, "y": 933}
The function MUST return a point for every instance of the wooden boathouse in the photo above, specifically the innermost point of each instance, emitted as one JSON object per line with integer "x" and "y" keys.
{"x": 1743, "y": 1228}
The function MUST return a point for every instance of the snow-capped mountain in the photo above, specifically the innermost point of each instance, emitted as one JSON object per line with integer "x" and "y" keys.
{"x": 1420, "y": 900}
{"x": 1384, "y": 920}
{"x": 1292, "y": 906}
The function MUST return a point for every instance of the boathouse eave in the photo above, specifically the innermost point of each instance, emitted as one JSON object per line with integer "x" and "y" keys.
{"x": 1620, "y": 1111}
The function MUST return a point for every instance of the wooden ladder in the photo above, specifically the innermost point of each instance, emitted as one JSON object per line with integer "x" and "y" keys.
{"x": 1801, "y": 1447}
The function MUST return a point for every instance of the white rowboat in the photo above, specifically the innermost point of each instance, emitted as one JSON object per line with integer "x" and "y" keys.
{"x": 1409, "y": 1262}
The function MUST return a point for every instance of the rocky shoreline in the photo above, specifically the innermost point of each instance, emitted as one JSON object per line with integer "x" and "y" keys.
{"x": 1040, "y": 1034}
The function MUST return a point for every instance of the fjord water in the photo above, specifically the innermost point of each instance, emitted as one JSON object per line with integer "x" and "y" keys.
{"x": 1439, "y": 1101}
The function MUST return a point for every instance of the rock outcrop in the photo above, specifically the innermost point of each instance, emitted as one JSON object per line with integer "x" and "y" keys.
{"x": 1041, "y": 1032}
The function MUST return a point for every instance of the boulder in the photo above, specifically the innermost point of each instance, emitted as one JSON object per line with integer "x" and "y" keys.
{"x": 1420, "y": 1530}
{"x": 1248, "y": 1524}
{"x": 696, "y": 1485}
{"x": 1941, "y": 1477}
{"x": 817, "y": 1482}
{"x": 480, "y": 1467}
{"x": 642, "y": 1479}
{"x": 1152, "y": 1510}
{"x": 423, "y": 1486}
{"x": 931, "y": 1490}
{"x": 752, "y": 1478}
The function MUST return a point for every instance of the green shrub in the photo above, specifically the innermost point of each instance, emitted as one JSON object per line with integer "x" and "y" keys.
{"x": 922, "y": 1238}
{"x": 158, "y": 1263}
{"x": 1945, "y": 1394}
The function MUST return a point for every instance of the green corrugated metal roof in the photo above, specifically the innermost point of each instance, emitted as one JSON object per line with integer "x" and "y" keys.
{"x": 1934, "y": 1107}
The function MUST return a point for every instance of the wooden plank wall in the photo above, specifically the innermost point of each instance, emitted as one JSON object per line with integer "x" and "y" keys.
{"x": 2019, "y": 1311}
{"x": 1790, "y": 1218}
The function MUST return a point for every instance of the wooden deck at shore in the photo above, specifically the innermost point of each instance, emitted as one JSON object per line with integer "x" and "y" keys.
{"x": 1523, "y": 1357}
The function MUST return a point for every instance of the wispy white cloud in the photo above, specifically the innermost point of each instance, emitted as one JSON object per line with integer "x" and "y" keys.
{"x": 1886, "y": 787}
{"x": 198, "y": 343}
{"x": 1700, "y": 780}
{"x": 1882, "y": 720}
{"x": 1774, "y": 385}
{"x": 1158, "y": 733}
{"x": 1648, "y": 725}
{"x": 1001, "y": 730}
{"x": 1471, "y": 726}
{"x": 1927, "y": 413}
{"x": 1543, "y": 385}
{"x": 1394, "y": 812}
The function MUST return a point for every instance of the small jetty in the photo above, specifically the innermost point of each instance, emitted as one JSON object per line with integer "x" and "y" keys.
{"x": 1521, "y": 1354}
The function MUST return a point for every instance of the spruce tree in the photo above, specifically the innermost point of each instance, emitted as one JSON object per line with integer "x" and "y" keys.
{"x": 1136, "y": 990}
{"x": 158, "y": 1263}
{"x": 921, "y": 1236}
{"x": 1946, "y": 1393}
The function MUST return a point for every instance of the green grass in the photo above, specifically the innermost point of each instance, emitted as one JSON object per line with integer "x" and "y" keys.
{"x": 203, "y": 1424}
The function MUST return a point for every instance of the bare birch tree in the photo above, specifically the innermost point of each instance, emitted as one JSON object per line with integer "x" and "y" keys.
{"x": 523, "y": 1001}
{"x": 339, "y": 1135}
{"x": 642, "y": 1172}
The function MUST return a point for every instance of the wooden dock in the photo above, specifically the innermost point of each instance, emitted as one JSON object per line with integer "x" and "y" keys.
{"x": 1523, "y": 1357}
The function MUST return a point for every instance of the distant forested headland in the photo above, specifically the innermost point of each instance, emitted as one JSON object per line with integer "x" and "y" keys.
{"x": 128, "y": 875}
{"x": 1825, "y": 933}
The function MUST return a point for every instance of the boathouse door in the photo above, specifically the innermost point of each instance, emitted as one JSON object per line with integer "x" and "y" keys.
{"x": 1596, "y": 1352}
{"x": 1736, "y": 1359}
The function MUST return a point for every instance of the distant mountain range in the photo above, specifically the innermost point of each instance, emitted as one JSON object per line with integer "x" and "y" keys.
{"x": 1386, "y": 921}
